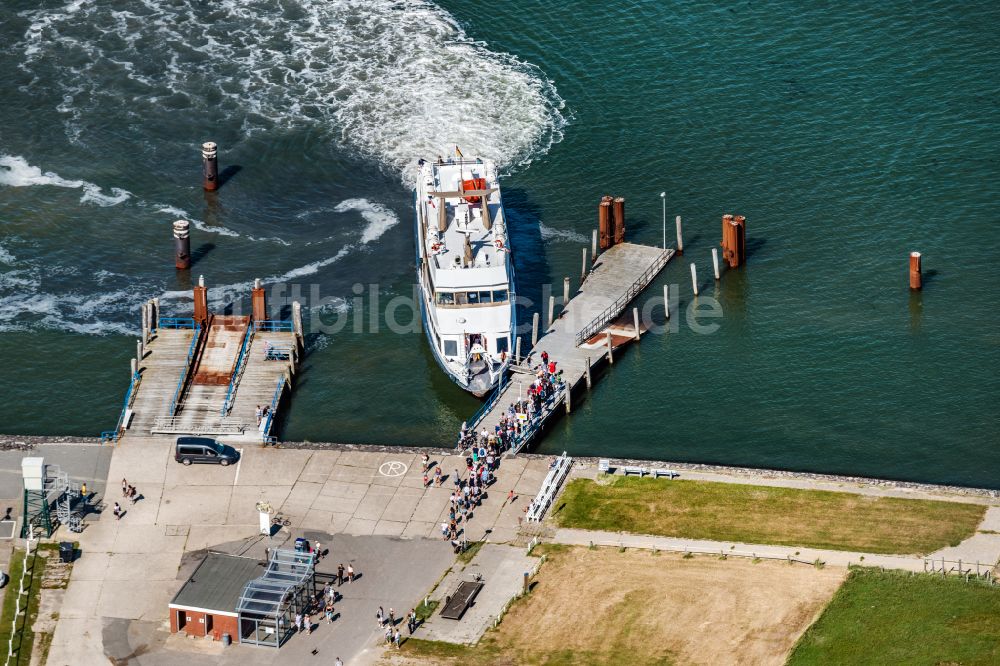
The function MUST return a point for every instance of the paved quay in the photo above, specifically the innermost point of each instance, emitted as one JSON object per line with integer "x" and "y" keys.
{"x": 367, "y": 507}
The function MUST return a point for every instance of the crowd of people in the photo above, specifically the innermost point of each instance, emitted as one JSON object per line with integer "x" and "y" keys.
{"x": 520, "y": 415}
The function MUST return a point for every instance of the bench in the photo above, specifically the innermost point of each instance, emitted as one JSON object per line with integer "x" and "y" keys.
{"x": 663, "y": 471}
{"x": 628, "y": 469}
{"x": 603, "y": 465}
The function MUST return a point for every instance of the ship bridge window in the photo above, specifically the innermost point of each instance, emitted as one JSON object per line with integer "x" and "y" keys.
{"x": 501, "y": 345}
{"x": 499, "y": 295}
{"x": 451, "y": 348}
{"x": 484, "y": 297}
{"x": 473, "y": 298}
{"x": 445, "y": 298}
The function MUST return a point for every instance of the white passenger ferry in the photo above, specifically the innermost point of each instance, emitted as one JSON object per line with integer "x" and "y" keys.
{"x": 464, "y": 269}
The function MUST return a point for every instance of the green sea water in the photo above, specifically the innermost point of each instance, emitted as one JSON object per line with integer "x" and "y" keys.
{"x": 848, "y": 135}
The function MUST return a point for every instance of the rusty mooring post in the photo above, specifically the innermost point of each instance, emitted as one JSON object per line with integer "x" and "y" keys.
{"x": 604, "y": 224}
{"x": 258, "y": 302}
{"x": 734, "y": 240}
{"x": 201, "y": 302}
{"x": 619, "y": 208}
{"x": 210, "y": 166}
{"x": 915, "y": 277}
{"x": 182, "y": 245}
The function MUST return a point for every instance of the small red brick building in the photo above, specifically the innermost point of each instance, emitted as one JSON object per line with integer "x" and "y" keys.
{"x": 206, "y": 604}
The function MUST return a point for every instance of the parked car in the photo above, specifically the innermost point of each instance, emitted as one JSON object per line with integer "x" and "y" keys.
{"x": 204, "y": 450}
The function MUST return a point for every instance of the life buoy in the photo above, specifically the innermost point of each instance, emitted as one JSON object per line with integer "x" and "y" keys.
{"x": 499, "y": 243}
{"x": 435, "y": 247}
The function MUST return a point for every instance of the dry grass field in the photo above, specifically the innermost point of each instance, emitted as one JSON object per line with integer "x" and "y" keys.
{"x": 638, "y": 608}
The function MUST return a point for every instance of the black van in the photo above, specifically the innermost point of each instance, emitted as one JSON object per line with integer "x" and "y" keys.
{"x": 204, "y": 450}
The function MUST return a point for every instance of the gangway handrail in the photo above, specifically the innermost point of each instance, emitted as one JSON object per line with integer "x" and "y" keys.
{"x": 266, "y": 431}
{"x": 113, "y": 435}
{"x": 185, "y": 370}
{"x": 487, "y": 406}
{"x": 177, "y": 322}
{"x": 616, "y": 308}
{"x": 241, "y": 362}
{"x": 275, "y": 325}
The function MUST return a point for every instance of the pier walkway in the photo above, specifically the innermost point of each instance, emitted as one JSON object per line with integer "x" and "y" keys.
{"x": 209, "y": 374}
{"x": 576, "y": 340}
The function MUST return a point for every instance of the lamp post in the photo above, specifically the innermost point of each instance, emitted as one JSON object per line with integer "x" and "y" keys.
{"x": 663, "y": 198}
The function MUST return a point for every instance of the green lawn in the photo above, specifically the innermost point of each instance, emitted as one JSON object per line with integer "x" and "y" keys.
{"x": 894, "y": 618}
{"x": 766, "y": 515}
{"x": 23, "y": 636}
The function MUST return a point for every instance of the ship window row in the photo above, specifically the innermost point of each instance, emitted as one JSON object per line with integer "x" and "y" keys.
{"x": 484, "y": 297}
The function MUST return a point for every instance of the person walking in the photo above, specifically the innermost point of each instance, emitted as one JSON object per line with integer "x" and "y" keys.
{"x": 83, "y": 491}
{"x": 392, "y": 617}
{"x": 117, "y": 511}
{"x": 329, "y": 612}
{"x": 298, "y": 622}
{"x": 340, "y": 574}
{"x": 350, "y": 573}
{"x": 380, "y": 617}
{"x": 308, "y": 622}
{"x": 338, "y": 662}
{"x": 124, "y": 487}
{"x": 411, "y": 620}
{"x": 318, "y": 550}
{"x": 132, "y": 494}
{"x": 396, "y": 638}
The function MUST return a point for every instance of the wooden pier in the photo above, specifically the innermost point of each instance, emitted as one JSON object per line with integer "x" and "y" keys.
{"x": 580, "y": 336}
{"x": 208, "y": 374}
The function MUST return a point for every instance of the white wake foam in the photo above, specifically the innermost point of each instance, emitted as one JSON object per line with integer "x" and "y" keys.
{"x": 379, "y": 218}
{"x": 16, "y": 172}
{"x": 567, "y": 235}
{"x": 394, "y": 79}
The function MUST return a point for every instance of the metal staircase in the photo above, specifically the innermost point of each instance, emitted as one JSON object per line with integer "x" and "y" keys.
{"x": 56, "y": 489}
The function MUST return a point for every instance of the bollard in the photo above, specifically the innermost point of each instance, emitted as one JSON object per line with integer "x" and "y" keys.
{"x": 182, "y": 245}
{"x": 694, "y": 279}
{"x": 635, "y": 320}
{"x": 715, "y": 262}
{"x": 140, "y": 353}
{"x": 605, "y": 223}
{"x": 517, "y": 350}
{"x": 210, "y": 166}
{"x": 583, "y": 267}
{"x": 611, "y": 355}
{"x": 534, "y": 330}
{"x": 915, "y": 277}
{"x": 134, "y": 367}
{"x": 201, "y": 301}
{"x": 587, "y": 375}
{"x": 680, "y": 237}
{"x": 565, "y": 293}
{"x": 666, "y": 300}
{"x": 593, "y": 246}
{"x": 552, "y": 310}
{"x": 525, "y": 582}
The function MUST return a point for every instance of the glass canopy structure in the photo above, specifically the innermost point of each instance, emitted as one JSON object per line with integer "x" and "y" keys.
{"x": 268, "y": 604}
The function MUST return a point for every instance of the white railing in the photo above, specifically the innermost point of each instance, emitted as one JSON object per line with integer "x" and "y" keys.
{"x": 17, "y": 603}
{"x": 184, "y": 426}
{"x": 550, "y": 486}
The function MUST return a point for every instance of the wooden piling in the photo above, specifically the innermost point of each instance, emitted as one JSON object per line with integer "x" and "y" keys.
{"x": 297, "y": 322}
{"x": 635, "y": 321}
{"x": 694, "y": 279}
{"x": 565, "y": 292}
{"x": 182, "y": 245}
{"x": 140, "y": 351}
{"x": 155, "y": 314}
{"x": 619, "y": 215}
{"x": 569, "y": 396}
{"x": 680, "y": 237}
{"x": 611, "y": 355}
{"x": 534, "y": 330}
{"x": 145, "y": 323}
{"x": 666, "y": 300}
{"x": 552, "y": 311}
{"x": 587, "y": 372}
{"x": 593, "y": 246}
{"x": 583, "y": 267}
{"x": 915, "y": 274}
{"x": 210, "y": 165}
{"x": 715, "y": 262}
{"x": 134, "y": 367}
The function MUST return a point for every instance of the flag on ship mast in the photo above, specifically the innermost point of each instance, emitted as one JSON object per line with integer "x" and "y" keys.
{"x": 458, "y": 152}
